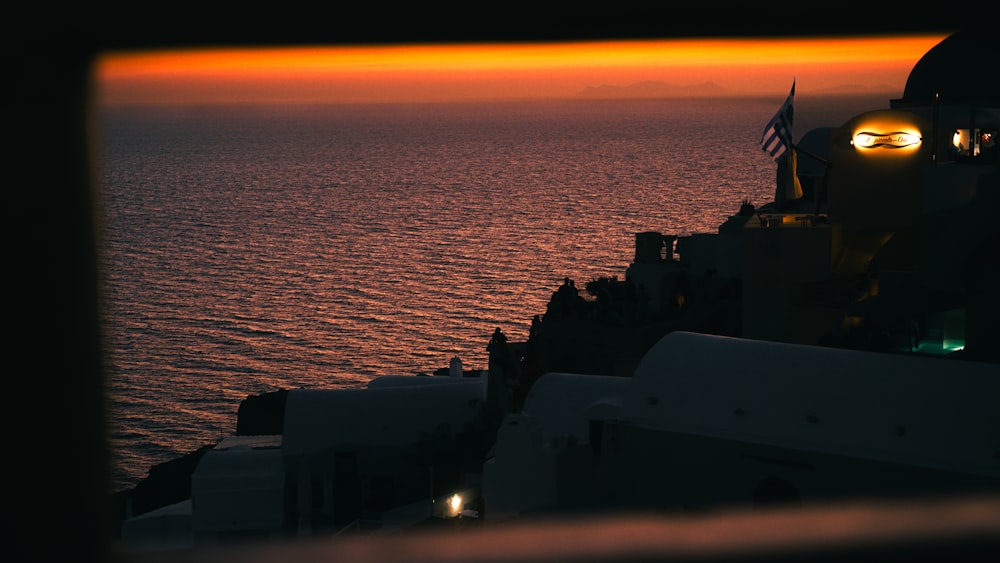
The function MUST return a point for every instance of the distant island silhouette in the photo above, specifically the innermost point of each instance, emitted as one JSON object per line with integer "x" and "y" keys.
{"x": 656, "y": 89}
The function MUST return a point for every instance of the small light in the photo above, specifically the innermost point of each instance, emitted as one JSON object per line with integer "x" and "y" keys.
{"x": 455, "y": 504}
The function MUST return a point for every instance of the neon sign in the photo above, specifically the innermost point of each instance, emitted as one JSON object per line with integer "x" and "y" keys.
{"x": 893, "y": 140}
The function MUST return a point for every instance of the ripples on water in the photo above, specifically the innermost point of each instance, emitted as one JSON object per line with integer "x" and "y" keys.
{"x": 251, "y": 249}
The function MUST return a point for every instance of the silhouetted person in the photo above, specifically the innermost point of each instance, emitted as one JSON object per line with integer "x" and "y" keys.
{"x": 536, "y": 324}
{"x": 498, "y": 393}
{"x": 498, "y": 342}
{"x": 565, "y": 300}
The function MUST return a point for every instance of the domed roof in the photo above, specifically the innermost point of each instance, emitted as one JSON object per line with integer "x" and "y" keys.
{"x": 959, "y": 69}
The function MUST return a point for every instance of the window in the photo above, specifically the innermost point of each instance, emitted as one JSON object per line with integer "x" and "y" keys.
{"x": 974, "y": 143}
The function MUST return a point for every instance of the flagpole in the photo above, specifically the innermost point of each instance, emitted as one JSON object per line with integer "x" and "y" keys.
{"x": 821, "y": 160}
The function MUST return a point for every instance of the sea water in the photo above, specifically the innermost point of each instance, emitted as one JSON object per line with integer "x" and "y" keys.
{"x": 247, "y": 249}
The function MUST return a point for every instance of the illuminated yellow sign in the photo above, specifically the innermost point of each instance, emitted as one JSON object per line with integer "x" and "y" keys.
{"x": 893, "y": 140}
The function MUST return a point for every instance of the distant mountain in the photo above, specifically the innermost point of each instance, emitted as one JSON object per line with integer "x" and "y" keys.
{"x": 861, "y": 89}
{"x": 652, "y": 89}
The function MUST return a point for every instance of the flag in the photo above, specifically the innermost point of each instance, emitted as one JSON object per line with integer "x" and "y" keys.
{"x": 777, "y": 138}
{"x": 787, "y": 184}
{"x": 794, "y": 188}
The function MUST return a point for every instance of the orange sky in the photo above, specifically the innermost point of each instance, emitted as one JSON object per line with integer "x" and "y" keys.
{"x": 392, "y": 73}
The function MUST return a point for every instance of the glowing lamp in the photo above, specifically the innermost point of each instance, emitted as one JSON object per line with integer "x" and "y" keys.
{"x": 454, "y": 505}
{"x": 886, "y": 132}
{"x": 887, "y": 140}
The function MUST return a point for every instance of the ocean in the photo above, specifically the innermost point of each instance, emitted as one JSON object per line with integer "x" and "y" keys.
{"x": 247, "y": 249}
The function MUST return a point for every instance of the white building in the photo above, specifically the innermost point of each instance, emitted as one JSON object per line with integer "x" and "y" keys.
{"x": 382, "y": 457}
{"x": 710, "y": 421}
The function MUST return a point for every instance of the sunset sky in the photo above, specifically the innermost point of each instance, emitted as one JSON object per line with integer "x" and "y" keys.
{"x": 429, "y": 72}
